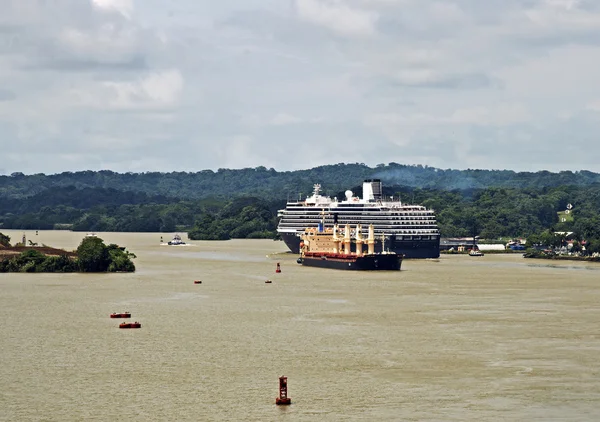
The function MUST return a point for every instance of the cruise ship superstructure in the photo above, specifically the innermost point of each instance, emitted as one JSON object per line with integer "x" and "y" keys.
{"x": 410, "y": 230}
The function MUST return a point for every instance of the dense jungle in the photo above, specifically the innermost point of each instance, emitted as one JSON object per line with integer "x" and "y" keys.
{"x": 243, "y": 203}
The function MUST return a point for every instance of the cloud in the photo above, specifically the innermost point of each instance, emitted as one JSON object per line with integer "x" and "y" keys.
{"x": 152, "y": 85}
{"x": 429, "y": 78}
{"x": 594, "y": 106}
{"x": 125, "y": 7}
{"x": 337, "y": 16}
{"x": 154, "y": 90}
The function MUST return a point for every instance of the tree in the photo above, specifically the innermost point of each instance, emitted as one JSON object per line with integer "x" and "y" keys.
{"x": 93, "y": 255}
{"x": 120, "y": 259}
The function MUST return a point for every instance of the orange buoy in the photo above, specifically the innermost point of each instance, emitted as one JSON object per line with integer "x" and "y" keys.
{"x": 278, "y": 270}
{"x": 283, "y": 399}
{"x": 130, "y": 325}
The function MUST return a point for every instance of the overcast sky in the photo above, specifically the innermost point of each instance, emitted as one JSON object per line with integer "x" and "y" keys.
{"x": 156, "y": 85}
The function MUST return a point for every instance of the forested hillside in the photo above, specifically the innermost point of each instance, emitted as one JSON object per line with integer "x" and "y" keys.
{"x": 272, "y": 185}
{"x": 244, "y": 203}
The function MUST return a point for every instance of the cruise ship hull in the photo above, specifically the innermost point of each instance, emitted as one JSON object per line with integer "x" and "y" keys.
{"x": 376, "y": 262}
{"x": 407, "y": 248}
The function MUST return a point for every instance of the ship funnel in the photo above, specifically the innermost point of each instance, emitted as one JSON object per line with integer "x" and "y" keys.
{"x": 372, "y": 190}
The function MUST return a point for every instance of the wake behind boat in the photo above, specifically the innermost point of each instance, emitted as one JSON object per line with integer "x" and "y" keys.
{"x": 409, "y": 230}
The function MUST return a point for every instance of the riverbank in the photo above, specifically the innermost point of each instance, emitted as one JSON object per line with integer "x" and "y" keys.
{"x": 556, "y": 257}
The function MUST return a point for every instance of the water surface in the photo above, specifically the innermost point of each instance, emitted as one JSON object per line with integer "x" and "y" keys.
{"x": 453, "y": 339}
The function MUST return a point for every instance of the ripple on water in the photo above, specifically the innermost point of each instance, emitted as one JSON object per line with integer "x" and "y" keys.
{"x": 511, "y": 343}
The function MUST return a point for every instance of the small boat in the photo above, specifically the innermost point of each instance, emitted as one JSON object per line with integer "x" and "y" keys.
{"x": 197, "y": 281}
{"x": 474, "y": 252}
{"x": 120, "y": 315}
{"x": 176, "y": 241}
{"x": 268, "y": 281}
{"x": 130, "y": 325}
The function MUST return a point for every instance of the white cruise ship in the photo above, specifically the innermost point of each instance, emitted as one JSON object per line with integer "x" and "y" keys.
{"x": 410, "y": 230}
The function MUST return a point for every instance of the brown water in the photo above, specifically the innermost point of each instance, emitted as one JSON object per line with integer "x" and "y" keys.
{"x": 455, "y": 339}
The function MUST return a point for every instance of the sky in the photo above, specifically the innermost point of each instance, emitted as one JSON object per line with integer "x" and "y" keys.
{"x": 187, "y": 85}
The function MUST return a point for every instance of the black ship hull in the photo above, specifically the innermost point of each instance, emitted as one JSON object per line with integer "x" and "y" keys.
{"x": 377, "y": 262}
{"x": 408, "y": 248}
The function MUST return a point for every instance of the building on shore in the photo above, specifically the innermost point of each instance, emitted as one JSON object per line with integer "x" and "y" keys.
{"x": 459, "y": 244}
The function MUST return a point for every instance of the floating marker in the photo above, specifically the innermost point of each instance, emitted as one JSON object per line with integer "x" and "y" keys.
{"x": 283, "y": 399}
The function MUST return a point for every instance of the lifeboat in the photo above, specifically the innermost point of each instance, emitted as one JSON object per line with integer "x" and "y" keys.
{"x": 197, "y": 281}
{"x": 121, "y": 315}
{"x": 130, "y": 325}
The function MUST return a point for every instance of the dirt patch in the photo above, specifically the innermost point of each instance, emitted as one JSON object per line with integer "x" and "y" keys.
{"x": 9, "y": 252}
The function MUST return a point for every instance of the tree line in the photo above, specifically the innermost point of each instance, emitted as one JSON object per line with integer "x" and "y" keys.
{"x": 270, "y": 184}
{"x": 491, "y": 213}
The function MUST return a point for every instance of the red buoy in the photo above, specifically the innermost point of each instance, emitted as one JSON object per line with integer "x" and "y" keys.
{"x": 278, "y": 270}
{"x": 283, "y": 399}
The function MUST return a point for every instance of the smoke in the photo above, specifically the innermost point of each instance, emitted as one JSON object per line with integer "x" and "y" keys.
{"x": 429, "y": 177}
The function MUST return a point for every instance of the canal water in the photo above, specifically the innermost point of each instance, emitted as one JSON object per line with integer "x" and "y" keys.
{"x": 458, "y": 338}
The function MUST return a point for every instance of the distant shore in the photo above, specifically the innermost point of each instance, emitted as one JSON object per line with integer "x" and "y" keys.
{"x": 494, "y": 251}
{"x": 556, "y": 257}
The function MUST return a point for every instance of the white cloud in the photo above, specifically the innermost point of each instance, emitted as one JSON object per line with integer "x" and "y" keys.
{"x": 337, "y": 16}
{"x": 157, "y": 89}
{"x": 502, "y": 115}
{"x": 282, "y": 119}
{"x": 594, "y": 106}
{"x": 125, "y": 7}
{"x": 193, "y": 85}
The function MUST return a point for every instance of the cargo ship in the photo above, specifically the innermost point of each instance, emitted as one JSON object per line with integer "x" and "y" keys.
{"x": 408, "y": 230}
{"x": 344, "y": 250}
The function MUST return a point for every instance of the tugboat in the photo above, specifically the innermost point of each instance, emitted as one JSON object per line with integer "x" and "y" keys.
{"x": 130, "y": 325}
{"x": 121, "y": 315}
{"x": 176, "y": 241}
{"x": 325, "y": 249}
